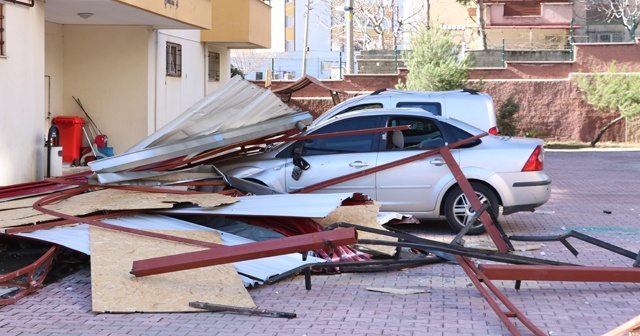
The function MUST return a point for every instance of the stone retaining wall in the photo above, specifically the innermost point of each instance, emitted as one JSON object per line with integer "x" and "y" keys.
{"x": 551, "y": 104}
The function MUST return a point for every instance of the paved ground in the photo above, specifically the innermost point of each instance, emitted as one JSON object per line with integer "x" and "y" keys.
{"x": 584, "y": 184}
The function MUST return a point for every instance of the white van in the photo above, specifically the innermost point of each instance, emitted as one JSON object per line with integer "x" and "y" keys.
{"x": 469, "y": 106}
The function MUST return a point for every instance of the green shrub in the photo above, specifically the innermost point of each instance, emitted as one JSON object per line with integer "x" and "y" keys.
{"x": 506, "y": 116}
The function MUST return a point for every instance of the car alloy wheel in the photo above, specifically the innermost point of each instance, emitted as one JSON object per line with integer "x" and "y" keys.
{"x": 458, "y": 208}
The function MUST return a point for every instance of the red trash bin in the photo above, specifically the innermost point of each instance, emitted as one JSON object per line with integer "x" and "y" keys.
{"x": 70, "y": 137}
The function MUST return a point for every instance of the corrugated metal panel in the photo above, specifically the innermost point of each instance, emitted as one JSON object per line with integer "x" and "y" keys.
{"x": 77, "y": 238}
{"x": 193, "y": 146}
{"x": 281, "y": 205}
{"x": 239, "y": 111}
{"x": 236, "y": 104}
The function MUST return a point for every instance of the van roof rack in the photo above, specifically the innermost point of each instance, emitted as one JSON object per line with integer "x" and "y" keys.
{"x": 471, "y": 91}
{"x": 378, "y": 91}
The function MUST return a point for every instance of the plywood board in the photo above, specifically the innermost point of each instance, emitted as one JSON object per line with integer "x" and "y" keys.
{"x": 364, "y": 215}
{"x": 114, "y": 289}
{"x": 19, "y": 203}
{"x": 111, "y": 199}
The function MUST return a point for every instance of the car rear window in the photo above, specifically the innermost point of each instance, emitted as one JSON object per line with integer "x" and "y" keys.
{"x": 459, "y": 134}
{"x": 433, "y": 108}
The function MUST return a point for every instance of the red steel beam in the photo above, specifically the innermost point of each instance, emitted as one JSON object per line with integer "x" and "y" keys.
{"x": 39, "y": 206}
{"x": 464, "y": 184}
{"x": 478, "y": 278}
{"x": 36, "y": 274}
{"x": 561, "y": 273}
{"x": 229, "y": 254}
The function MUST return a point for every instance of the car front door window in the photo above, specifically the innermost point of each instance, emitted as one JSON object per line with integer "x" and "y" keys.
{"x": 335, "y": 156}
{"x": 350, "y": 143}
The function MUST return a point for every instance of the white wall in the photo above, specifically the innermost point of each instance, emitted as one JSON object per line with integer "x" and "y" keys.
{"x": 175, "y": 94}
{"x": 54, "y": 71}
{"x": 225, "y": 67}
{"x": 22, "y": 109}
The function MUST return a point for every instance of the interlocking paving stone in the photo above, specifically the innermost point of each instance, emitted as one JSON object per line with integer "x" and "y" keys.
{"x": 585, "y": 183}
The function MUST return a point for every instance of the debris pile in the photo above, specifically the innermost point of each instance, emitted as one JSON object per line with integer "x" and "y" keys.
{"x": 168, "y": 232}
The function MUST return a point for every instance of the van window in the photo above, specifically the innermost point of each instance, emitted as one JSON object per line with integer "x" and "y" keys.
{"x": 433, "y": 108}
{"x": 360, "y": 107}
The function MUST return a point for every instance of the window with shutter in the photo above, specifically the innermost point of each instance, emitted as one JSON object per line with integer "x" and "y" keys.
{"x": 525, "y": 8}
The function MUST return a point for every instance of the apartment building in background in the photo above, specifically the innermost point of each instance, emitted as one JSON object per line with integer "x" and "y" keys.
{"x": 134, "y": 64}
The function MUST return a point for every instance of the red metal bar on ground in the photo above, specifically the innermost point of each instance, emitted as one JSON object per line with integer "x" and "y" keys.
{"x": 478, "y": 278}
{"x": 36, "y": 274}
{"x": 464, "y": 184}
{"x": 50, "y": 225}
{"x": 62, "y": 195}
{"x": 229, "y": 254}
{"x": 561, "y": 273}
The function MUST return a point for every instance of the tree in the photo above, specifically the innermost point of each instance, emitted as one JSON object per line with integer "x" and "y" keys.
{"x": 235, "y": 71}
{"x": 248, "y": 61}
{"x": 626, "y": 12}
{"x": 436, "y": 62}
{"x": 612, "y": 91}
{"x": 506, "y": 116}
{"x": 378, "y": 24}
{"x": 480, "y": 16}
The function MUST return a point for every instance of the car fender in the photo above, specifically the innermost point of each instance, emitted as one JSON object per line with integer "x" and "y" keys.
{"x": 272, "y": 177}
{"x": 448, "y": 182}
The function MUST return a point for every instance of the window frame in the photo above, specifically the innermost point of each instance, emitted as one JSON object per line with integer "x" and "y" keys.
{"x": 357, "y": 122}
{"x": 214, "y": 66}
{"x": 174, "y": 59}
{"x": 414, "y": 138}
{"x": 2, "y": 42}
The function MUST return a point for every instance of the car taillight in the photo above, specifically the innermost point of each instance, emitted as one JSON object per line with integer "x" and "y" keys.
{"x": 536, "y": 160}
{"x": 493, "y": 130}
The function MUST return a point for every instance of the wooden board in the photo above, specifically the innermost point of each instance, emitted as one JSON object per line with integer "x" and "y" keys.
{"x": 110, "y": 199}
{"x": 114, "y": 289}
{"x": 401, "y": 291}
{"x": 364, "y": 215}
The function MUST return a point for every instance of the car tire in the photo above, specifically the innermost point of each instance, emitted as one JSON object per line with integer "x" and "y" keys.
{"x": 456, "y": 207}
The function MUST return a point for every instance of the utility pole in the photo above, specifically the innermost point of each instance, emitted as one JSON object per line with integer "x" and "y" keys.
{"x": 349, "y": 12}
{"x": 305, "y": 51}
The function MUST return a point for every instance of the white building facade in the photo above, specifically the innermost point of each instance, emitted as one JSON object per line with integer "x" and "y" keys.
{"x": 134, "y": 67}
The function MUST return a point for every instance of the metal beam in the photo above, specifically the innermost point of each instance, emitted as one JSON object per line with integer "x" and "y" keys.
{"x": 561, "y": 273}
{"x": 229, "y": 254}
{"x": 464, "y": 184}
{"x": 479, "y": 279}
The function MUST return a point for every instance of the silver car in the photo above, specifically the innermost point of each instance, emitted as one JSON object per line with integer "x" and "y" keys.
{"x": 504, "y": 171}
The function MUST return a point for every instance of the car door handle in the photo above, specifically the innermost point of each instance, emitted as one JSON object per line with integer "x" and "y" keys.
{"x": 358, "y": 164}
{"x": 437, "y": 162}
